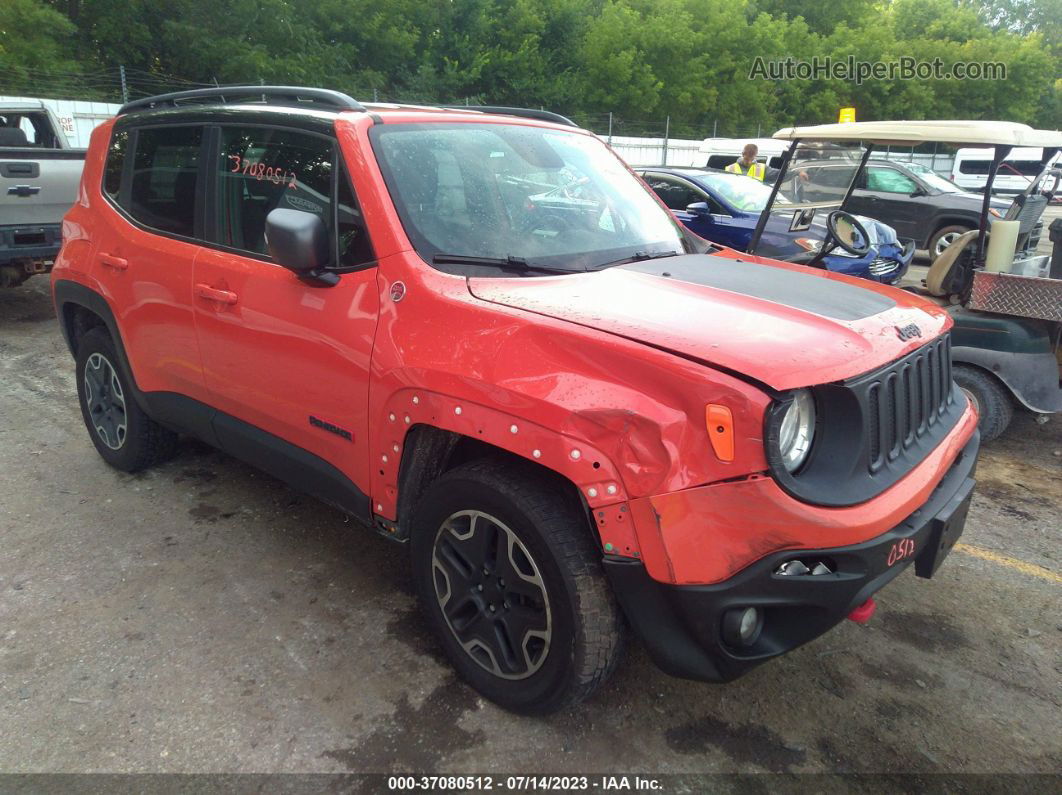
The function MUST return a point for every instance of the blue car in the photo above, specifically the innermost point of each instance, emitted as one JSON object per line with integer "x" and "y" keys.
{"x": 724, "y": 208}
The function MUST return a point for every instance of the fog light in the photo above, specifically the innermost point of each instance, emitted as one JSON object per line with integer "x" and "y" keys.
{"x": 742, "y": 626}
{"x": 792, "y": 568}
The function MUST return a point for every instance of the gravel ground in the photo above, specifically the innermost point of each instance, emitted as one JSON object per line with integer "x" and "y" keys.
{"x": 203, "y": 617}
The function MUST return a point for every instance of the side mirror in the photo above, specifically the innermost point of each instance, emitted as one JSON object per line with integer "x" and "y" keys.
{"x": 298, "y": 241}
{"x": 917, "y": 192}
{"x": 700, "y": 209}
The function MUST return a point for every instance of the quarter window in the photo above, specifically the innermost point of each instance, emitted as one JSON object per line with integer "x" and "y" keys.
{"x": 353, "y": 238}
{"x": 112, "y": 171}
{"x": 165, "y": 177}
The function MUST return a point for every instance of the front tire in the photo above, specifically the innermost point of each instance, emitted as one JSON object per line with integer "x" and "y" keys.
{"x": 511, "y": 582}
{"x": 989, "y": 397}
{"x": 124, "y": 436}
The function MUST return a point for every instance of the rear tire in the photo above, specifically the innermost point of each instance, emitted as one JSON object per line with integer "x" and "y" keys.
{"x": 555, "y": 632}
{"x": 124, "y": 436}
{"x": 989, "y": 397}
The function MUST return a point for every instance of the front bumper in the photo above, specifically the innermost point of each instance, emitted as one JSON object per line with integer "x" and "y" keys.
{"x": 682, "y": 624}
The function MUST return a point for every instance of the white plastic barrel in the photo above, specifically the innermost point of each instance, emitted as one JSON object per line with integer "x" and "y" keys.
{"x": 1001, "y": 245}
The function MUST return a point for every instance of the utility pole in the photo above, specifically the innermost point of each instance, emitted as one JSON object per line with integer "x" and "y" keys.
{"x": 125, "y": 88}
{"x": 667, "y": 133}
{"x": 610, "y": 128}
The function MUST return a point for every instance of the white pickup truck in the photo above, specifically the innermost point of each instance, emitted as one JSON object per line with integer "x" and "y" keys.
{"x": 39, "y": 176}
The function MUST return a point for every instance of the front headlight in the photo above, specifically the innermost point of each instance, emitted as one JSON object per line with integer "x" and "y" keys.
{"x": 797, "y": 430}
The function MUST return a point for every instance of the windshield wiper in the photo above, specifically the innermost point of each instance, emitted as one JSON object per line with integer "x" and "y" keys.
{"x": 638, "y": 256}
{"x": 506, "y": 263}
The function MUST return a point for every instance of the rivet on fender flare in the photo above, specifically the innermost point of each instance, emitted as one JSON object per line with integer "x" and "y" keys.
{"x": 537, "y": 453}
{"x": 576, "y": 455}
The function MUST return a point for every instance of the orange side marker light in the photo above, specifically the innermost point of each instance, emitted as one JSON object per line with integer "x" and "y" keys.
{"x": 720, "y": 424}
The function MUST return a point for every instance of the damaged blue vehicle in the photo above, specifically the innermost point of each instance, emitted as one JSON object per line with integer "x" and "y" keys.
{"x": 724, "y": 208}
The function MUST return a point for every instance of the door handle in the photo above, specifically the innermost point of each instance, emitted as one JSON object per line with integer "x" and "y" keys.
{"x": 11, "y": 170}
{"x": 112, "y": 261}
{"x": 213, "y": 294}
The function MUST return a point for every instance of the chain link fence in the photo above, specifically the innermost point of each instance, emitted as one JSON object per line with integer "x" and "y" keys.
{"x": 643, "y": 141}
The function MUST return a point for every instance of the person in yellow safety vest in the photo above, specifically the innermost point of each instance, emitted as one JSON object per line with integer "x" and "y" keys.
{"x": 747, "y": 165}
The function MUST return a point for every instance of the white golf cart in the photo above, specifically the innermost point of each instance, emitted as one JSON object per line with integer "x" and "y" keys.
{"x": 1006, "y": 301}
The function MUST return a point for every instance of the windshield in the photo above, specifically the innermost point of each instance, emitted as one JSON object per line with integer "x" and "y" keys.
{"x": 743, "y": 193}
{"x": 933, "y": 179}
{"x": 815, "y": 183}
{"x": 499, "y": 191}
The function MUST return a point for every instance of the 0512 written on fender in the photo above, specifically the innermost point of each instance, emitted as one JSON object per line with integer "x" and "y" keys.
{"x": 524, "y": 783}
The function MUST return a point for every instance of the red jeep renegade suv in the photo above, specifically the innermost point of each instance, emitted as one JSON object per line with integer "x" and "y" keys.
{"x": 477, "y": 331}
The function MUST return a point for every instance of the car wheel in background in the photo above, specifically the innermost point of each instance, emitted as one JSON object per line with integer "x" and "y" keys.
{"x": 988, "y": 396}
{"x": 943, "y": 238}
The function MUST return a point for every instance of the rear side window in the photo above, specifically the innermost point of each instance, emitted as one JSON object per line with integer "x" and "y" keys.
{"x": 165, "y": 176}
{"x": 112, "y": 171}
{"x": 973, "y": 166}
{"x": 831, "y": 177}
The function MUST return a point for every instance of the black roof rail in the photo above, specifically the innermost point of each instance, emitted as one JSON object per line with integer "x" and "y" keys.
{"x": 285, "y": 96}
{"x": 527, "y": 113}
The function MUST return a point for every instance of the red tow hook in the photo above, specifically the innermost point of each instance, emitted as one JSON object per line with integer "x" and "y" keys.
{"x": 862, "y": 614}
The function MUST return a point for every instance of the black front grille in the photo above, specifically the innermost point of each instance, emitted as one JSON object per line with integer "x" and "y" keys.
{"x": 905, "y": 402}
{"x": 875, "y": 428}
